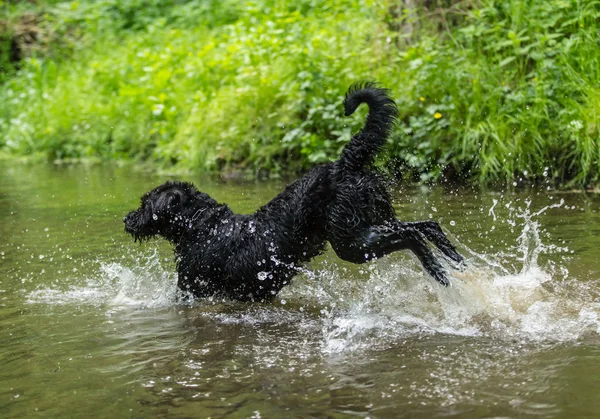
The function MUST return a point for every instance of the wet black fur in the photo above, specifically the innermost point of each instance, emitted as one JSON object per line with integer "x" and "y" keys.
{"x": 252, "y": 256}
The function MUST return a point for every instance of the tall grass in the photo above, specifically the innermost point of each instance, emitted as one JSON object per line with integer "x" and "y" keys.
{"x": 516, "y": 83}
{"x": 488, "y": 90}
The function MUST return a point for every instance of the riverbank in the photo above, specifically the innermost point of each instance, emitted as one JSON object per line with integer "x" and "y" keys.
{"x": 487, "y": 93}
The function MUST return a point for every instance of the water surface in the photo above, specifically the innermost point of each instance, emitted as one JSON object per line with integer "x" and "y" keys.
{"x": 90, "y": 324}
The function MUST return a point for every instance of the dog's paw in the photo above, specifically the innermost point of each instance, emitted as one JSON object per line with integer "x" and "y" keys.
{"x": 456, "y": 260}
{"x": 453, "y": 255}
{"x": 460, "y": 266}
{"x": 441, "y": 276}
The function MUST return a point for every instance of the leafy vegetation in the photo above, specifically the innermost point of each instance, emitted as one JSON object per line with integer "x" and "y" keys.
{"x": 488, "y": 90}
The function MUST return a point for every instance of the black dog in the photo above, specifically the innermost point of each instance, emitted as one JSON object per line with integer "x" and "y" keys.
{"x": 251, "y": 257}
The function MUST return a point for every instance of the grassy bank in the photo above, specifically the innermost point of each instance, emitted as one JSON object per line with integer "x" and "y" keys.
{"x": 488, "y": 90}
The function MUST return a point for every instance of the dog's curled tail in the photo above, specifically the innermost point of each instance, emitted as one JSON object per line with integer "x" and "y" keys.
{"x": 364, "y": 146}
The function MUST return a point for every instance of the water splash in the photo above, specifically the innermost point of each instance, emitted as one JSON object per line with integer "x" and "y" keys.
{"x": 530, "y": 303}
{"x": 146, "y": 284}
{"x": 503, "y": 294}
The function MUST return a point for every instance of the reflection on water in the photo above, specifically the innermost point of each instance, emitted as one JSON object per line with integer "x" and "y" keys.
{"x": 91, "y": 324}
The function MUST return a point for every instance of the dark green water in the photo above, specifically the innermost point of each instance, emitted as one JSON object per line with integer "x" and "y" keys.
{"x": 90, "y": 326}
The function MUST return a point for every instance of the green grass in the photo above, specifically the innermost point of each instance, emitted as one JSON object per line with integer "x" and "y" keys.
{"x": 488, "y": 91}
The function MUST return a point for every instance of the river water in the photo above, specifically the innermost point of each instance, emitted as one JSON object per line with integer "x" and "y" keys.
{"x": 90, "y": 325}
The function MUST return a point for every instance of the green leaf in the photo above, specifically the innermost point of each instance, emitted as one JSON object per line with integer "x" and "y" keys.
{"x": 507, "y": 61}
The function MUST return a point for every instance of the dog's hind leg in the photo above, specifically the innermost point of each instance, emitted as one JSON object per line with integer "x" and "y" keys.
{"x": 378, "y": 241}
{"x": 433, "y": 232}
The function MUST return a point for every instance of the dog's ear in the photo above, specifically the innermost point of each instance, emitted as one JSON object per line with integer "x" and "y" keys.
{"x": 173, "y": 199}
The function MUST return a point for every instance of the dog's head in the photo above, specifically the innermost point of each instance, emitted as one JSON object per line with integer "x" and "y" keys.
{"x": 167, "y": 211}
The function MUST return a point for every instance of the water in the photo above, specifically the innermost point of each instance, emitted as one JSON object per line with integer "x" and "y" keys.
{"x": 90, "y": 325}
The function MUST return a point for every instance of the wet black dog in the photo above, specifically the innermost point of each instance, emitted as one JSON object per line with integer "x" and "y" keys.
{"x": 251, "y": 257}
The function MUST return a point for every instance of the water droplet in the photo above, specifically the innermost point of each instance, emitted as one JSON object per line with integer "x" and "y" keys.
{"x": 154, "y": 217}
{"x": 452, "y": 222}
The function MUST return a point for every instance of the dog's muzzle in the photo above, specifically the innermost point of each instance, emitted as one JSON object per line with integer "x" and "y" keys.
{"x": 130, "y": 221}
